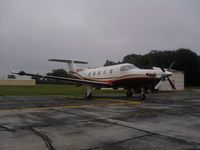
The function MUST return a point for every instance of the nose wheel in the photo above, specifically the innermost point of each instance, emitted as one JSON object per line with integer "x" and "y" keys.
{"x": 88, "y": 94}
{"x": 142, "y": 95}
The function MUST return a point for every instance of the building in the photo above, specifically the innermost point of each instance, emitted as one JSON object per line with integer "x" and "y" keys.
{"x": 178, "y": 80}
{"x": 17, "y": 82}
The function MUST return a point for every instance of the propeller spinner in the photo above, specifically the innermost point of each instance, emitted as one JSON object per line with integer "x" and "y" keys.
{"x": 165, "y": 75}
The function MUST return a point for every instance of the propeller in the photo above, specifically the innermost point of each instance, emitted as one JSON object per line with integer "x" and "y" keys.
{"x": 165, "y": 76}
{"x": 171, "y": 65}
{"x": 171, "y": 83}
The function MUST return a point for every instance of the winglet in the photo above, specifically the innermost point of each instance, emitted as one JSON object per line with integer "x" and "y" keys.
{"x": 21, "y": 73}
{"x": 12, "y": 71}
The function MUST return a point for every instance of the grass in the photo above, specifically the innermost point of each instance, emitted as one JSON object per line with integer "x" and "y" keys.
{"x": 38, "y": 90}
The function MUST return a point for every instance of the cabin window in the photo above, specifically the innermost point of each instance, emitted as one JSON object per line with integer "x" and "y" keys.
{"x": 99, "y": 73}
{"x": 111, "y": 71}
{"x": 104, "y": 72}
{"x": 93, "y": 73}
{"x": 89, "y": 74}
{"x": 127, "y": 67}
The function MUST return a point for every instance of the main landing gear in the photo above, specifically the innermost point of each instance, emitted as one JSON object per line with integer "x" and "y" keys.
{"x": 142, "y": 95}
{"x": 88, "y": 94}
{"x": 129, "y": 93}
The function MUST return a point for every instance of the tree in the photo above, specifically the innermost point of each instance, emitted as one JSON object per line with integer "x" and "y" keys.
{"x": 11, "y": 76}
{"x": 58, "y": 73}
{"x": 110, "y": 63}
{"x": 186, "y": 60}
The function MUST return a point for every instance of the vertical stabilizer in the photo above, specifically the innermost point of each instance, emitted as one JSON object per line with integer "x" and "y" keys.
{"x": 72, "y": 66}
{"x": 71, "y": 63}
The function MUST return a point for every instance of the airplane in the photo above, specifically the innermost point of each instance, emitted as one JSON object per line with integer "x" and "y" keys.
{"x": 126, "y": 76}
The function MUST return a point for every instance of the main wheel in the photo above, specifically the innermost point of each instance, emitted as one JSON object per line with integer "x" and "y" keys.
{"x": 88, "y": 95}
{"x": 129, "y": 93}
{"x": 142, "y": 96}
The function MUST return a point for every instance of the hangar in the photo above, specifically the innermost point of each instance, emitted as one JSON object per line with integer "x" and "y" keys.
{"x": 178, "y": 80}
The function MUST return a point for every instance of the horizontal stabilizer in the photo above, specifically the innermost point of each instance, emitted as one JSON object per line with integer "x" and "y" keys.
{"x": 68, "y": 61}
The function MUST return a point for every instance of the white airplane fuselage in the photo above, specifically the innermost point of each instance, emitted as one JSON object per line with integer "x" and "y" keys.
{"x": 122, "y": 75}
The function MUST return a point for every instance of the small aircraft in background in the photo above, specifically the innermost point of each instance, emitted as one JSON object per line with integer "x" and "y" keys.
{"x": 126, "y": 76}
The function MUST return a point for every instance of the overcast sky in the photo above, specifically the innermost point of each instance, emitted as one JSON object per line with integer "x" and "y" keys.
{"x": 32, "y": 31}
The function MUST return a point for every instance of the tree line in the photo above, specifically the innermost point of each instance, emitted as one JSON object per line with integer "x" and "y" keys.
{"x": 185, "y": 60}
{"x": 55, "y": 72}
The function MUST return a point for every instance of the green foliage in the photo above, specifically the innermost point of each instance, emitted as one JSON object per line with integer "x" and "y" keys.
{"x": 110, "y": 63}
{"x": 41, "y": 90}
{"x": 58, "y": 73}
{"x": 66, "y": 90}
{"x": 11, "y": 76}
{"x": 55, "y": 72}
{"x": 186, "y": 60}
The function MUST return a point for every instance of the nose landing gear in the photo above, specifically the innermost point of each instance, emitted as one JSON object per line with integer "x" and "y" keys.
{"x": 142, "y": 95}
{"x": 88, "y": 94}
{"x": 129, "y": 93}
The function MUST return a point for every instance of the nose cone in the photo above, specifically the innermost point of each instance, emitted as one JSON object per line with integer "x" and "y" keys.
{"x": 168, "y": 73}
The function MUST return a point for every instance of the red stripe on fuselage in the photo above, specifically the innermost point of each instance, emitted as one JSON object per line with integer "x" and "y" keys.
{"x": 127, "y": 80}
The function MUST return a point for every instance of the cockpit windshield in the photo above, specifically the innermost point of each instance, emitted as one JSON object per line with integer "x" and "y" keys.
{"x": 127, "y": 67}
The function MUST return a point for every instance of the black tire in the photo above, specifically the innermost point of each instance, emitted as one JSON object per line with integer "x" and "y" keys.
{"x": 88, "y": 96}
{"x": 142, "y": 97}
{"x": 129, "y": 94}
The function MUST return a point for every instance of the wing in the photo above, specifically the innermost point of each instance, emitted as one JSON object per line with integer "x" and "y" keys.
{"x": 72, "y": 80}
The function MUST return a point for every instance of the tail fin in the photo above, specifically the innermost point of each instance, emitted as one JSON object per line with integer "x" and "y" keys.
{"x": 71, "y": 63}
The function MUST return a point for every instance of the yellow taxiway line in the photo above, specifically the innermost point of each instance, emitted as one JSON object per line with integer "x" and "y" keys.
{"x": 64, "y": 107}
{"x": 115, "y": 103}
{"x": 110, "y": 99}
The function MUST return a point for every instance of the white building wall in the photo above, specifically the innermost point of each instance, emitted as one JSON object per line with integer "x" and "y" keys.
{"x": 177, "y": 78}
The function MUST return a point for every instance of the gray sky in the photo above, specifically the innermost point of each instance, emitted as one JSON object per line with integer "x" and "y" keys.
{"x": 32, "y": 31}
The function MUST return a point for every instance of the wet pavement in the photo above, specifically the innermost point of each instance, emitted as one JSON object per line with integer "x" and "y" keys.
{"x": 168, "y": 121}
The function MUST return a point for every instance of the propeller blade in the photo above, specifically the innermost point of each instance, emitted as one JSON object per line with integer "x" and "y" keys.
{"x": 171, "y": 65}
{"x": 12, "y": 71}
{"x": 172, "y": 85}
{"x": 162, "y": 69}
{"x": 158, "y": 85}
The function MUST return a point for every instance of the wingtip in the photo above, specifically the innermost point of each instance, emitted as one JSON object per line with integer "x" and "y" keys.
{"x": 12, "y": 71}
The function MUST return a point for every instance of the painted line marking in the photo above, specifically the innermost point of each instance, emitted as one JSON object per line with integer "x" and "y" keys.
{"x": 110, "y": 99}
{"x": 120, "y": 100}
{"x": 67, "y": 107}
{"x": 79, "y": 98}
{"x": 115, "y": 103}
